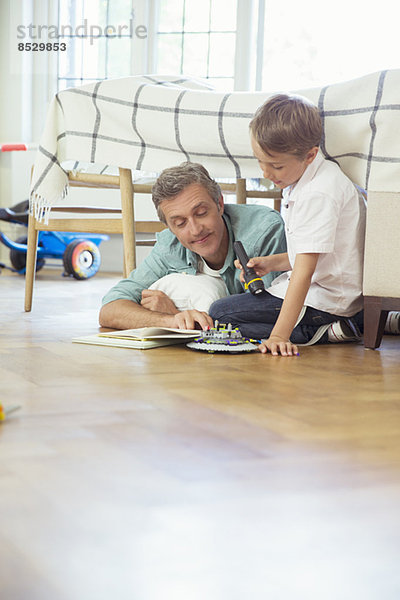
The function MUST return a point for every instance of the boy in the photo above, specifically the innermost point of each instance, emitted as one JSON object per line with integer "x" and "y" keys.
{"x": 318, "y": 297}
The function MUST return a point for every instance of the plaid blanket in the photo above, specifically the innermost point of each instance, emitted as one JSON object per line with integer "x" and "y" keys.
{"x": 148, "y": 123}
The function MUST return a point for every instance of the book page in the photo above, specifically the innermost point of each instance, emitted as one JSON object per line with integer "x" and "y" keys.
{"x": 139, "y": 344}
{"x": 147, "y": 333}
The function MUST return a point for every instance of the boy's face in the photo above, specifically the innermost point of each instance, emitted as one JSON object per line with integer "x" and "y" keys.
{"x": 282, "y": 169}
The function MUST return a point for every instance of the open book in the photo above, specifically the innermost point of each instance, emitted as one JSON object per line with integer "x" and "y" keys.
{"x": 143, "y": 338}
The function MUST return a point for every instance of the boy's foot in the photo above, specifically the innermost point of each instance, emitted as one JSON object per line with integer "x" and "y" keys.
{"x": 343, "y": 331}
{"x": 392, "y": 324}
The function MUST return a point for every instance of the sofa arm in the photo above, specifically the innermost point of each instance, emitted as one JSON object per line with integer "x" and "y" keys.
{"x": 382, "y": 245}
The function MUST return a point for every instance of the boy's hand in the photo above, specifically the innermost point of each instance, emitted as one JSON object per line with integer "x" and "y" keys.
{"x": 260, "y": 264}
{"x": 277, "y": 345}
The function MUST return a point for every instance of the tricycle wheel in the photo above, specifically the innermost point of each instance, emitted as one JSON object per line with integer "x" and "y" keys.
{"x": 18, "y": 259}
{"x": 81, "y": 259}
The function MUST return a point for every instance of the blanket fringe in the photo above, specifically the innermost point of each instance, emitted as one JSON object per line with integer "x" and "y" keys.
{"x": 40, "y": 207}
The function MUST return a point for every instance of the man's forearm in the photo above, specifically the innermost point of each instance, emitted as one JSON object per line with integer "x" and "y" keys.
{"x": 126, "y": 314}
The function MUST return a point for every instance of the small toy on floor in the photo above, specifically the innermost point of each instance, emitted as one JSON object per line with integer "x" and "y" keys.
{"x": 223, "y": 338}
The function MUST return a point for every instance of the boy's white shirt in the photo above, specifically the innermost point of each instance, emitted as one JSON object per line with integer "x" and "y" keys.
{"x": 324, "y": 213}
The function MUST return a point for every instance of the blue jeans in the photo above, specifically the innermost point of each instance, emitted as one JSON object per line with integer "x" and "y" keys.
{"x": 255, "y": 316}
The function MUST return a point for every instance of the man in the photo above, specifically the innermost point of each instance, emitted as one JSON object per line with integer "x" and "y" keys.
{"x": 199, "y": 243}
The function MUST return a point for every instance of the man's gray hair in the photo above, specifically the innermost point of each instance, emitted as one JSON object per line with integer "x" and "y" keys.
{"x": 174, "y": 180}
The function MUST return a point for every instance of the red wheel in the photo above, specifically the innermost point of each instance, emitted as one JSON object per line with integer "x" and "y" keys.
{"x": 81, "y": 259}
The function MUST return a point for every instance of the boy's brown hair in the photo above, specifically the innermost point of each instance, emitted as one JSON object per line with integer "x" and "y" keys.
{"x": 287, "y": 124}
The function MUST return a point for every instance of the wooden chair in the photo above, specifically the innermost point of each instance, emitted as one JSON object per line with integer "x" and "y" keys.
{"x": 125, "y": 225}
{"x": 242, "y": 193}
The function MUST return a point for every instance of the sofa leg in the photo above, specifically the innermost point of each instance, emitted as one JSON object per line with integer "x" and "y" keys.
{"x": 374, "y": 321}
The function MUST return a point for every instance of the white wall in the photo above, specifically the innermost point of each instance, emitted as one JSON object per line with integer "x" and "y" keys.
{"x": 12, "y": 101}
{"x": 17, "y": 123}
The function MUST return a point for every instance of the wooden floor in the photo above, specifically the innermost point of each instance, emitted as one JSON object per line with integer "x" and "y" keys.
{"x": 168, "y": 474}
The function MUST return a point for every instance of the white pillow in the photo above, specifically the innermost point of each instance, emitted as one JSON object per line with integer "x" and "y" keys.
{"x": 191, "y": 291}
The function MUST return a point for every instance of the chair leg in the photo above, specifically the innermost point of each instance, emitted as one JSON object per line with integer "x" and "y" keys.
{"x": 241, "y": 193}
{"x": 33, "y": 235}
{"x": 374, "y": 321}
{"x": 128, "y": 220}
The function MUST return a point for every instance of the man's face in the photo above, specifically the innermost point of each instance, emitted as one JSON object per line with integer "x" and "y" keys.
{"x": 281, "y": 168}
{"x": 197, "y": 222}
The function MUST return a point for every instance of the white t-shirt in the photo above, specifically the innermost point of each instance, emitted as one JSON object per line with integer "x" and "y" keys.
{"x": 324, "y": 213}
{"x": 193, "y": 291}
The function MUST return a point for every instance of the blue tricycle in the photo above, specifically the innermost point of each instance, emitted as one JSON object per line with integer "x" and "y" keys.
{"x": 78, "y": 251}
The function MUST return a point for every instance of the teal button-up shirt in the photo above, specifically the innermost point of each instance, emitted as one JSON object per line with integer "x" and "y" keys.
{"x": 259, "y": 228}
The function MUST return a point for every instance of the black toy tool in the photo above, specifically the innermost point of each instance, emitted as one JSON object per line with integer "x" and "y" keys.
{"x": 252, "y": 282}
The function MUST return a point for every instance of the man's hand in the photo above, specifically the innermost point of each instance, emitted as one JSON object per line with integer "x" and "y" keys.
{"x": 192, "y": 319}
{"x": 157, "y": 301}
{"x": 277, "y": 345}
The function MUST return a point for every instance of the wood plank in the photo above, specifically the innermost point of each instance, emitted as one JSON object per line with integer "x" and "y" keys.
{"x": 170, "y": 473}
